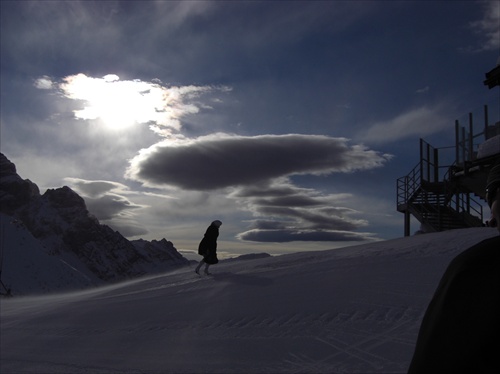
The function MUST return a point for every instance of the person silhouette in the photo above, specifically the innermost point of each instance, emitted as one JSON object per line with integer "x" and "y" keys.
{"x": 208, "y": 247}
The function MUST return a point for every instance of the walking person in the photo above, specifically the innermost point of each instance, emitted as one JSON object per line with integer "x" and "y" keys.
{"x": 460, "y": 331}
{"x": 208, "y": 247}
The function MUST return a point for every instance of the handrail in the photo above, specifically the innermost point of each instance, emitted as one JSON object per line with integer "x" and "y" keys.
{"x": 463, "y": 203}
{"x": 408, "y": 185}
{"x": 434, "y": 189}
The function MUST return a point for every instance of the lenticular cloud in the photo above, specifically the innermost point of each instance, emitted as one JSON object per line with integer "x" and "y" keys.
{"x": 222, "y": 160}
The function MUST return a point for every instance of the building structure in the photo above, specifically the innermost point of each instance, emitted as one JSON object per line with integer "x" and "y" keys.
{"x": 444, "y": 195}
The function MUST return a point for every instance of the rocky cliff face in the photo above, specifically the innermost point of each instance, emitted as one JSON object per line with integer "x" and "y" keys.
{"x": 15, "y": 192}
{"x": 59, "y": 219}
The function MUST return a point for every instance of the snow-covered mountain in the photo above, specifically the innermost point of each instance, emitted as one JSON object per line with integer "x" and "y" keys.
{"x": 350, "y": 310}
{"x": 56, "y": 228}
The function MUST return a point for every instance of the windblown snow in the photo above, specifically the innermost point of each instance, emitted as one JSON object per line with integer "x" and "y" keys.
{"x": 351, "y": 310}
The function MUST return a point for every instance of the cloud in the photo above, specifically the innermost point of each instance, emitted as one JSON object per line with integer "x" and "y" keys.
{"x": 122, "y": 103}
{"x": 488, "y": 27}
{"x": 290, "y": 235}
{"x": 128, "y": 229}
{"x": 95, "y": 188}
{"x": 171, "y": 14}
{"x": 109, "y": 206}
{"x": 423, "y": 90}
{"x": 321, "y": 218}
{"x": 285, "y": 212}
{"x": 44, "y": 83}
{"x": 105, "y": 200}
{"x": 255, "y": 172}
{"x": 222, "y": 160}
{"x": 417, "y": 122}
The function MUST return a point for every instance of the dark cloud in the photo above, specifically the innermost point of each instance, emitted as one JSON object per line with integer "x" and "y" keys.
{"x": 127, "y": 229}
{"x": 257, "y": 169}
{"x": 269, "y": 225}
{"x": 105, "y": 201}
{"x": 290, "y": 235}
{"x": 315, "y": 218}
{"x": 94, "y": 188}
{"x": 267, "y": 190}
{"x": 298, "y": 214}
{"x": 294, "y": 200}
{"x": 221, "y": 160}
{"x": 108, "y": 206}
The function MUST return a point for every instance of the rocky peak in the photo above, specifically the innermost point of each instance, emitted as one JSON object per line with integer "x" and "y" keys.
{"x": 65, "y": 197}
{"x": 163, "y": 251}
{"x": 6, "y": 166}
{"x": 59, "y": 219}
{"x": 15, "y": 192}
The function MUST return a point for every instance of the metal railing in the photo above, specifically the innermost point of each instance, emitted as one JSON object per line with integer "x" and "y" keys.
{"x": 466, "y": 206}
{"x": 445, "y": 195}
{"x": 473, "y": 129}
{"x": 408, "y": 185}
{"x": 434, "y": 188}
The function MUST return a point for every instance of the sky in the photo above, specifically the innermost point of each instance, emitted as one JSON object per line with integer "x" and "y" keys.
{"x": 289, "y": 121}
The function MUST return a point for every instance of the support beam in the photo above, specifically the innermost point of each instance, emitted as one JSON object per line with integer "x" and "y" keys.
{"x": 407, "y": 223}
{"x": 486, "y": 121}
{"x": 471, "y": 138}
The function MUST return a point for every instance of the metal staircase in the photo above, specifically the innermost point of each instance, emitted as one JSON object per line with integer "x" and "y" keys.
{"x": 442, "y": 197}
{"x": 447, "y": 190}
{"x": 438, "y": 201}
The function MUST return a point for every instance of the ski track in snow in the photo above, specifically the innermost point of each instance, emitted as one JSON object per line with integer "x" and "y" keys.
{"x": 343, "y": 311}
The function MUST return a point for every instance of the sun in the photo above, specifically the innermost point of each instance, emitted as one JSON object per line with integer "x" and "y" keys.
{"x": 118, "y": 110}
{"x": 122, "y": 104}
{"x": 117, "y": 104}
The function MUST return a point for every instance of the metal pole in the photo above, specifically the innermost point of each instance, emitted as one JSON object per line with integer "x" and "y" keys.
{"x": 463, "y": 147}
{"x": 436, "y": 165}
{"x": 421, "y": 160}
{"x": 407, "y": 223}
{"x": 486, "y": 120}
{"x": 471, "y": 138}
{"x": 428, "y": 162}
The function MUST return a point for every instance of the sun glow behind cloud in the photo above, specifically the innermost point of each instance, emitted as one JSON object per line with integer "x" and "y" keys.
{"x": 119, "y": 104}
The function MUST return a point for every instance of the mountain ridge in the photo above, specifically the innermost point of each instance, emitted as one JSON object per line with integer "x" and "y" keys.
{"x": 58, "y": 224}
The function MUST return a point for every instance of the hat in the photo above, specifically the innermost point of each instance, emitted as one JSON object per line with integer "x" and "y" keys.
{"x": 216, "y": 223}
{"x": 492, "y": 183}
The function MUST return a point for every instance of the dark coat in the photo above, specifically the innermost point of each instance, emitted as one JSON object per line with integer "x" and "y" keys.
{"x": 460, "y": 331}
{"x": 208, "y": 245}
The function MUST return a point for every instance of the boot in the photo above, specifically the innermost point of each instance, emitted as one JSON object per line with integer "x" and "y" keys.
{"x": 197, "y": 271}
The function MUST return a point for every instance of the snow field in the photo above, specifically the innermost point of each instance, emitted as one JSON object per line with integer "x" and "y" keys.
{"x": 351, "y": 310}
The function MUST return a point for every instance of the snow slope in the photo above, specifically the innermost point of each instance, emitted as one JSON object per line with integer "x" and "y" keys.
{"x": 83, "y": 252}
{"x": 351, "y": 310}
{"x": 29, "y": 266}
{"x": 25, "y": 264}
